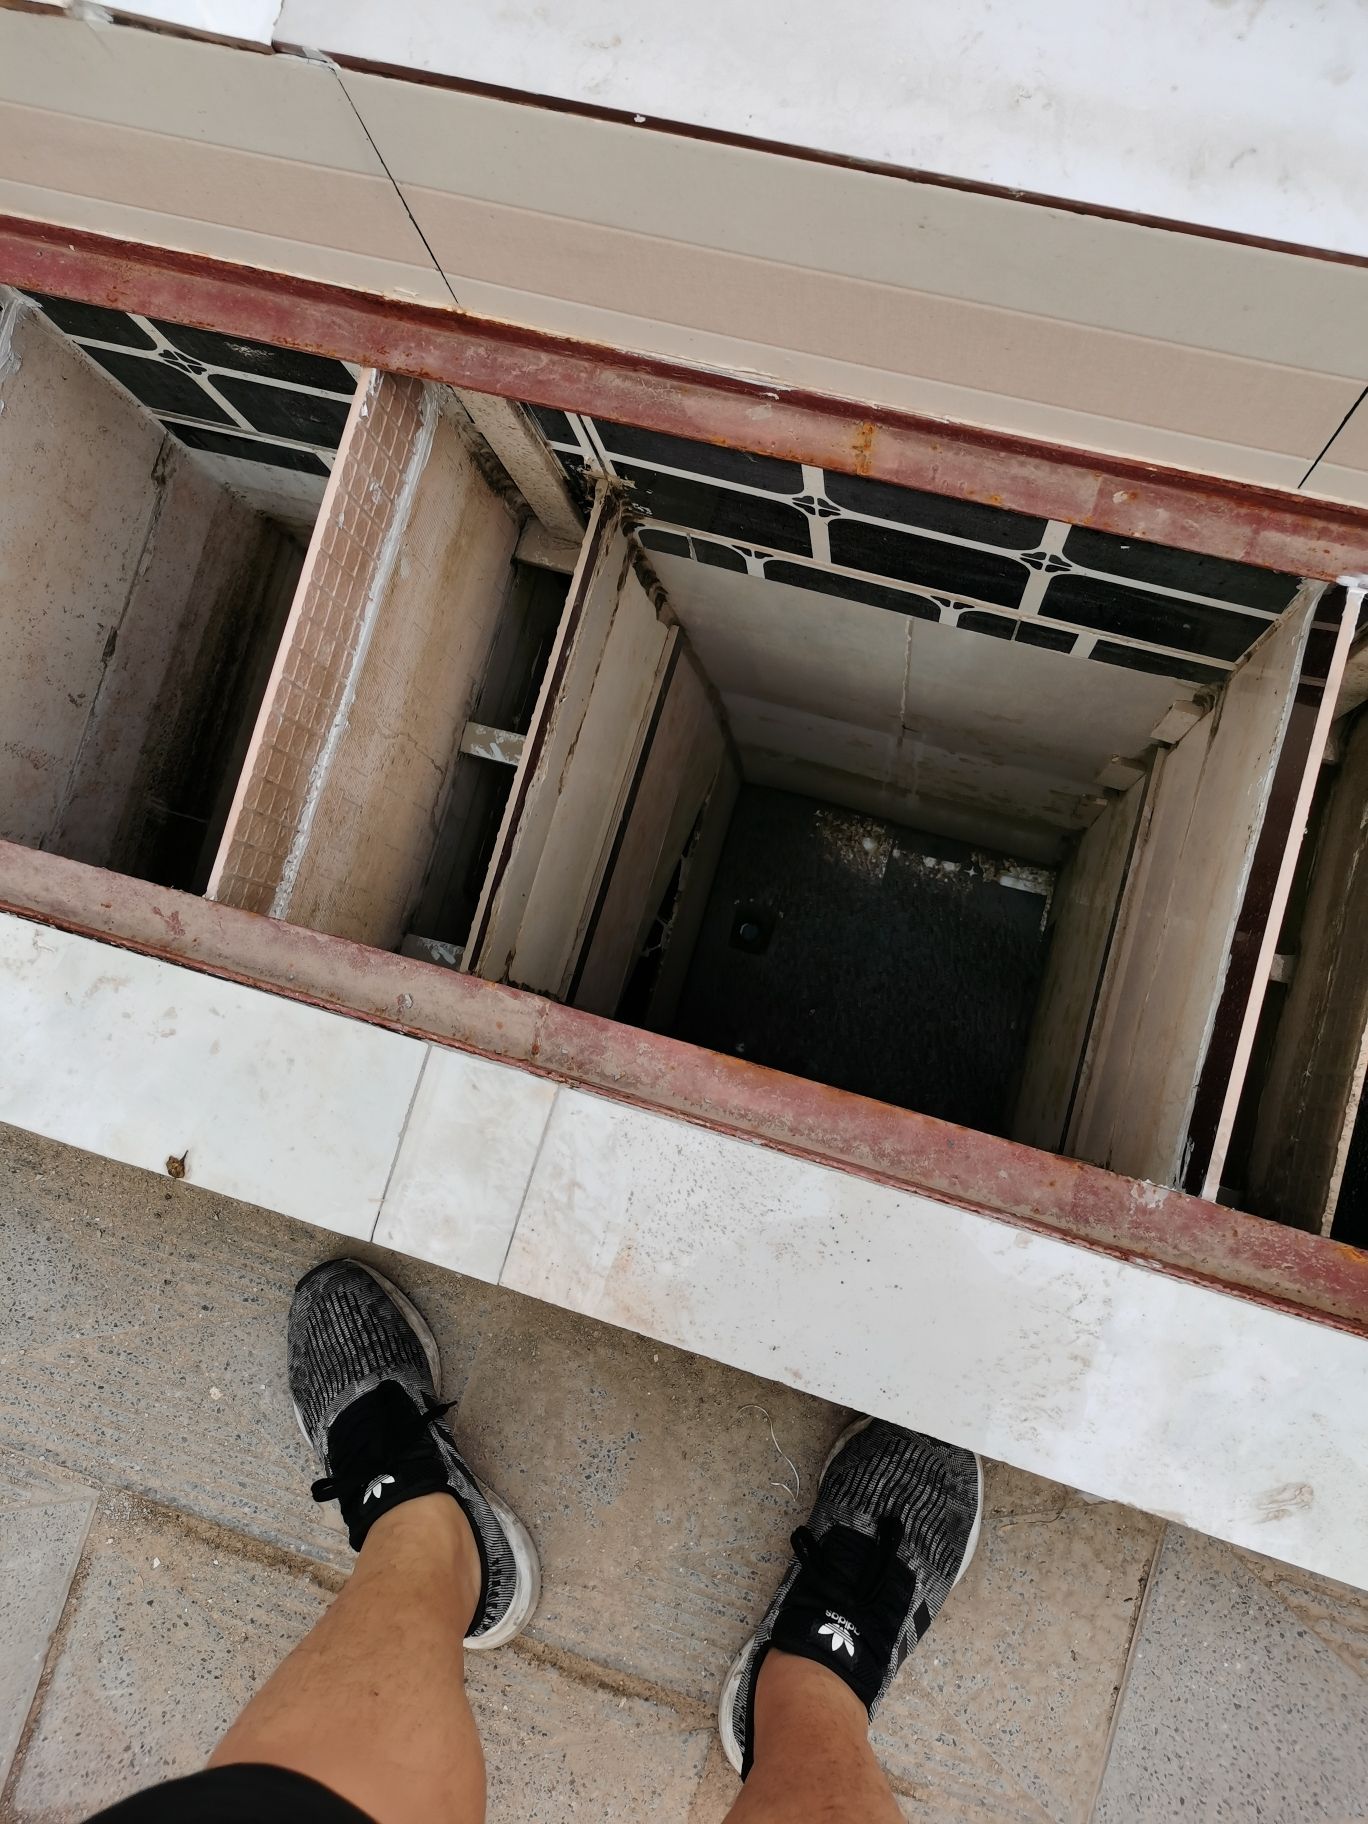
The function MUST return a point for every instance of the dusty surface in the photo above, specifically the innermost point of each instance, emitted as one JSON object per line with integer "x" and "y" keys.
{"x": 830, "y": 937}
{"x": 158, "y": 1553}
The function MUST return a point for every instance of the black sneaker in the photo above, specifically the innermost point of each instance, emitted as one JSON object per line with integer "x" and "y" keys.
{"x": 363, "y": 1374}
{"x": 895, "y": 1524}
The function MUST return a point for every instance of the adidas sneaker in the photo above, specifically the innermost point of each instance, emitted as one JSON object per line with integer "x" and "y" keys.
{"x": 894, "y": 1527}
{"x": 364, "y": 1375}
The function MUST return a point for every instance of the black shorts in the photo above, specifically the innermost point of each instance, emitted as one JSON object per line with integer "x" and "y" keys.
{"x": 235, "y": 1795}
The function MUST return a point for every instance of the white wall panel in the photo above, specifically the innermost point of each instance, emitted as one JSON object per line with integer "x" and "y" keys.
{"x": 1241, "y": 119}
{"x": 1069, "y": 1364}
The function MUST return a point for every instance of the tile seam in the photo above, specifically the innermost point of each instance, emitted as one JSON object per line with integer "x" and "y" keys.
{"x": 389, "y": 175}
{"x": 399, "y": 1143}
{"x": 1123, "y": 1685}
{"x": 527, "y": 1184}
{"x": 56, "y": 1642}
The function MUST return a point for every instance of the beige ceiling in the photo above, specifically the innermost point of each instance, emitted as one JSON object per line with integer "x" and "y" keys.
{"x": 1169, "y": 347}
{"x": 946, "y": 729}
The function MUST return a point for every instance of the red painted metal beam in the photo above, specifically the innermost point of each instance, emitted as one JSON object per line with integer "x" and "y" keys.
{"x": 1166, "y": 1230}
{"x": 1262, "y": 526}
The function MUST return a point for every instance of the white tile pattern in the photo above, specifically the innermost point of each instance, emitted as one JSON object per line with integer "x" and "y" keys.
{"x": 463, "y": 1163}
{"x": 266, "y": 1099}
{"x": 1096, "y": 1372}
{"x": 1062, "y": 1361}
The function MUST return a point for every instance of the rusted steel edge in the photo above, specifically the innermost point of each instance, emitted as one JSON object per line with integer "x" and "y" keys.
{"x": 1253, "y": 525}
{"x": 1168, "y": 1231}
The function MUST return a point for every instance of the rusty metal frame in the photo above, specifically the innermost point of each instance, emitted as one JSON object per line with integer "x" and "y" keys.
{"x": 1254, "y": 525}
{"x": 1166, "y": 1230}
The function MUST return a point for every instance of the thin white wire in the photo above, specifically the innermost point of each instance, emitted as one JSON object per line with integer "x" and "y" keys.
{"x": 797, "y": 1487}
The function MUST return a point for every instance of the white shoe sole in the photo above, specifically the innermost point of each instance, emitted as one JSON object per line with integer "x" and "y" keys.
{"x": 726, "y": 1707}
{"x": 527, "y": 1582}
{"x": 526, "y": 1563}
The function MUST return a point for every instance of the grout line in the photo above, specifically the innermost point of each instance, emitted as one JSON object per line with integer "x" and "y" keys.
{"x": 399, "y": 1143}
{"x": 531, "y": 1174}
{"x": 327, "y": 63}
{"x": 55, "y": 1648}
{"x": 1320, "y": 455}
{"x": 694, "y": 1713}
{"x": 1123, "y": 1685}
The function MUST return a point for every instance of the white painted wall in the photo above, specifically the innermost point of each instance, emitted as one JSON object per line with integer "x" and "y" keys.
{"x": 439, "y": 586}
{"x": 988, "y": 741}
{"x": 679, "y": 770}
{"x": 1242, "y": 115}
{"x": 1185, "y": 888}
{"x": 569, "y": 791}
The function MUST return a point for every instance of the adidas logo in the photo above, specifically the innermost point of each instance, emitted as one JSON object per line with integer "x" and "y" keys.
{"x": 374, "y": 1488}
{"x": 839, "y": 1633}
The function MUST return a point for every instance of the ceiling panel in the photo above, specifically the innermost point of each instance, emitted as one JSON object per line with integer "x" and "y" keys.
{"x": 264, "y": 420}
{"x": 888, "y": 229}
{"x": 1342, "y": 472}
{"x": 768, "y": 641}
{"x": 194, "y": 146}
{"x": 980, "y": 569}
{"x": 953, "y": 665}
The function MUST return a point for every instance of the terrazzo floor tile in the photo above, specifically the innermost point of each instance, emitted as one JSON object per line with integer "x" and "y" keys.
{"x": 562, "y": 1748}
{"x": 1025, "y": 1661}
{"x": 142, "y": 1338}
{"x": 173, "y": 1625}
{"x": 142, "y": 1350}
{"x": 651, "y": 1484}
{"x": 170, "y": 1628}
{"x": 1241, "y": 1702}
{"x": 40, "y": 1544}
{"x": 1333, "y": 1612}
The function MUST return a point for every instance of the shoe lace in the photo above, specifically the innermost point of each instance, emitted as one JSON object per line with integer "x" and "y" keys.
{"x": 862, "y": 1586}
{"x": 406, "y": 1446}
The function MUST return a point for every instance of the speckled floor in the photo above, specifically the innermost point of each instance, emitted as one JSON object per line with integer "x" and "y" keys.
{"x": 159, "y": 1552}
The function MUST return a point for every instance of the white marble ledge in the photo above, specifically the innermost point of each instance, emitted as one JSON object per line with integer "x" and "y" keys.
{"x": 143, "y": 1061}
{"x": 1237, "y": 1420}
{"x": 1234, "y": 1419}
{"x": 321, "y": 1117}
{"x": 464, "y": 1162}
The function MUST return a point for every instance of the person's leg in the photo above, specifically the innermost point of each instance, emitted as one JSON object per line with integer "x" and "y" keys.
{"x": 367, "y": 1720}
{"x": 372, "y": 1703}
{"x": 893, "y": 1529}
{"x": 813, "y": 1762}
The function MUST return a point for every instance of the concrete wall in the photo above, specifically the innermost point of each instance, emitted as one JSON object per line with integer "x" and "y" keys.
{"x": 335, "y": 813}
{"x": 382, "y": 793}
{"x": 130, "y": 589}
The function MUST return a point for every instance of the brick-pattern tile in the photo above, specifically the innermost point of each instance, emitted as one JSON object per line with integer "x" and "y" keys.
{"x": 323, "y": 638}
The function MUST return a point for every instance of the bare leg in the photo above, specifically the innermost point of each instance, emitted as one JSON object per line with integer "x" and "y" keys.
{"x": 372, "y": 1703}
{"x": 813, "y": 1761}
